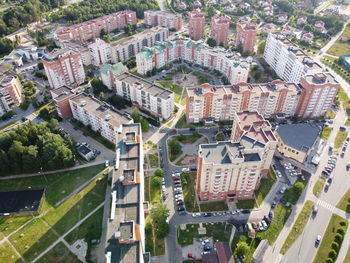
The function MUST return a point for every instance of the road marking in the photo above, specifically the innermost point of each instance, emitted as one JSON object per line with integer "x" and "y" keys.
{"x": 325, "y": 205}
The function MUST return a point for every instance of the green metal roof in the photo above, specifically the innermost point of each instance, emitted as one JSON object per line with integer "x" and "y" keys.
{"x": 116, "y": 69}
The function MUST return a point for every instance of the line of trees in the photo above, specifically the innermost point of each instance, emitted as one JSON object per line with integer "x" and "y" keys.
{"x": 35, "y": 147}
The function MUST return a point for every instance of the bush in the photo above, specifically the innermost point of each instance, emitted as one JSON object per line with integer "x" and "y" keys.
{"x": 329, "y": 260}
{"x": 342, "y": 223}
{"x": 338, "y": 238}
{"x": 341, "y": 231}
{"x": 333, "y": 254}
{"x": 335, "y": 246}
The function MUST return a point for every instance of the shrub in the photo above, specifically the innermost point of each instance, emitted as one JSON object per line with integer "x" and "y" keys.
{"x": 329, "y": 260}
{"x": 335, "y": 246}
{"x": 332, "y": 254}
{"x": 342, "y": 223}
{"x": 341, "y": 231}
{"x": 338, "y": 238}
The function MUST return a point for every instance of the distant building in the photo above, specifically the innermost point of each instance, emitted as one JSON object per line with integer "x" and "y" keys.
{"x": 85, "y": 152}
{"x": 63, "y": 67}
{"x": 268, "y": 10}
{"x": 197, "y": 4}
{"x": 346, "y": 60}
{"x": 92, "y": 29}
{"x": 282, "y": 18}
{"x": 109, "y": 73}
{"x": 100, "y": 52}
{"x": 10, "y": 89}
{"x": 320, "y": 26}
{"x": 181, "y": 5}
{"x": 61, "y": 97}
{"x": 196, "y": 24}
{"x": 163, "y": 18}
{"x": 301, "y": 20}
{"x": 268, "y": 28}
{"x": 220, "y": 26}
{"x": 307, "y": 37}
{"x": 291, "y": 144}
{"x": 246, "y": 36}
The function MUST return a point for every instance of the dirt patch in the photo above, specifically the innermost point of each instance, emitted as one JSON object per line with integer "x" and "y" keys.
{"x": 185, "y": 80}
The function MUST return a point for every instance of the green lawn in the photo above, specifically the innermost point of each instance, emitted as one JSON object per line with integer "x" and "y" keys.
{"x": 252, "y": 243}
{"x": 152, "y": 194}
{"x": 281, "y": 215}
{"x": 214, "y": 206}
{"x": 298, "y": 226}
{"x": 156, "y": 249}
{"x": 10, "y": 224}
{"x": 169, "y": 85}
{"x": 173, "y": 156}
{"x": 187, "y": 139}
{"x": 326, "y": 132}
{"x": 344, "y": 203}
{"x": 220, "y": 136}
{"x": 328, "y": 238}
{"x": 219, "y": 231}
{"x": 154, "y": 160}
{"x": 264, "y": 189}
{"x": 330, "y": 114}
{"x": 202, "y": 78}
{"x": 7, "y": 254}
{"x": 290, "y": 195}
{"x": 246, "y": 204}
{"x": 341, "y": 47}
{"x": 59, "y": 254}
{"x": 340, "y": 138}
{"x": 347, "y": 257}
{"x": 182, "y": 123}
{"x": 318, "y": 187}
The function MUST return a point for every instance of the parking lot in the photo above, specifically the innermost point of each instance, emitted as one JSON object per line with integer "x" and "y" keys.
{"x": 195, "y": 251}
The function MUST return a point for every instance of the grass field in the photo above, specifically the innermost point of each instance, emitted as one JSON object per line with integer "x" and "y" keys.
{"x": 187, "y": 139}
{"x": 153, "y": 160}
{"x": 8, "y": 255}
{"x": 59, "y": 254}
{"x": 298, "y": 226}
{"x": 339, "y": 139}
{"x": 281, "y": 216}
{"x": 344, "y": 203}
{"x": 264, "y": 189}
{"x": 328, "y": 238}
{"x": 347, "y": 257}
{"x": 318, "y": 187}
{"x": 341, "y": 47}
{"x": 326, "y": 132}
{"x": 175, "y": 88}
{"x": 152, "y": 194}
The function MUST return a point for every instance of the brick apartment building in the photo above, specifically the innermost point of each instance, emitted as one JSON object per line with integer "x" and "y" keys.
{"x": 246, "y": 36}
{"x": 92, "y": 29}
{"x": 232, "y": 170}
{"x": 217, "y": 103}
{"x": 61, "y": 97}
{"x": 196, "y": 24}
{"x": 63, "y": 67}
{"x": 163, "y": 18}
{"x": 220, "y": 26}
{"x": 10, "y": 89}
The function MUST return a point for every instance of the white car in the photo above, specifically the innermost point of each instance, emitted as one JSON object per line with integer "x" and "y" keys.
{"x": 278, "y": 173}
{"x": 106, "y": 163}
{"x": 185, "y": 169}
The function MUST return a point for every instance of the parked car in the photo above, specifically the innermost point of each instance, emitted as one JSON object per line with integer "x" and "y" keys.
{"x": 318, "y": 241}
{"x": 283, "y": 189}
{"x": 326, "y": 187}
{"x": 182, "y": 212}
{"x": 180, "y": 208}
{"x": 264, "y": 224}
{"x": 178, "y": 203}
{"x": 273, "y": 205}
{"x": 207, "y": 248}
{"x": 270, "y": 215}
{"x": 314, "y": 209}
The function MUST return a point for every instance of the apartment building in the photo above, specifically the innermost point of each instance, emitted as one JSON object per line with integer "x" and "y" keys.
{"x": 217, "y": 103}
{"x": 163, "y": 18}
{"x": 100, "y": 52}
{"x": 10, "y": 89}
{"x": 109, "y": 73}
{"x": 196, "y": 24}
{"x": 92, "y": 29}
{"x": 317, "y": 96}
{"x": 232, "y": 65}
{"x": 246, "y": 36}
{"x": 220, "y": 26}
{"x": 289, "y": 61}
{"x": 229, "y": 171}
{"x": 127, "y": 48}
{"x": 125, "y": 232}
{"x": 145, "y": 95}
{"x": 61, "y": 97}
{"x": 63, "y": 67}
{"x": 100, "y": 116}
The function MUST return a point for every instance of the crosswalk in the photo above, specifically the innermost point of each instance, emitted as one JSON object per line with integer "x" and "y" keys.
{"x": 325, "y": 205}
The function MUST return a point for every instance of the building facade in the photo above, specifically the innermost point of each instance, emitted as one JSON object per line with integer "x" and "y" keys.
{"x": 232, "y": 65}
{"x": 63, "y": 67}
{"x": 196, "y": 24}
{"x": 317, "y": 96}
{"x": 163, "y": 18}
{"x": 100, "y": 116}
{"x": 10, "y": 89}
{"x": 289, "y": 61}
{"x": 100, "y": 52}
{"x": 232, "y": 170}
{"x": 61, "y": 97}
{"x": 220, "y": 26}
{"x": 218, "y": 103}
{"x": 92, "y": 29}
{"x": 246, "y": 36}
{"x": 109, "y": 73}
{"x": 146, "y": 95}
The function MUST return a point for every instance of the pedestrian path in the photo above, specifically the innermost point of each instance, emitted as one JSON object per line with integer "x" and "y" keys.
{"x": 325, "y": 205}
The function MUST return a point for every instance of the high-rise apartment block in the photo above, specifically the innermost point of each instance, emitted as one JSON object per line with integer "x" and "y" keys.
{"x": 246, "y": 36}
{"x": 196, "y": 24}
{"x": 10, "y": 89}
{"x": 163, "y": 18}
{"x": 217, "y": 103}
{"x": 100, "y": 116}
{"x": 289, "y": 61}
{"x": 63, "y": 67}
{"x": 220, "y": 26}
{"x": 233, "y": 66}
{"x": 232, "y": 170}
{"x": 61, "y": 97}
{"x": 100, "y": 52}
{"x": 317, "y": 96}
{"x": 145, "y": 95}
{"x": 109, "y": 73}
{"x": 92, "y": 29}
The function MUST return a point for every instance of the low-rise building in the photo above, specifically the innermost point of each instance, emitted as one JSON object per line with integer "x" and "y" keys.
{"x": 220, "y": 103}
{"x": 220, "y": 254}
{"x": 320, "y": 26}
{"x": 282, "y": 18}
{"x": 307, "y": 37}
{"x": 10, "y": 89}
{"x": 85, "y": 152}
{"x": 297, "y": 141}
{"x": 301, "y": 20}
{"x": 100, "y": 116}
{"x": 146, "y": 95}
{"x": 232, "y": 65}
{"x": 163, "y": 18}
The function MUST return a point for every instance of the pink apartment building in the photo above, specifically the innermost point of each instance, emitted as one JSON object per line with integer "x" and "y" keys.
{"x": 196, "y": 24}
{"x": 163, "y": 18}
{"x": 219, "y": 29}
{"x": 10, "y": 89}
{"x": 246, "y": 36}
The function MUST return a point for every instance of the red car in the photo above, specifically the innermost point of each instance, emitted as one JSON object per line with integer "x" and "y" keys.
{"x": 189, "y": 255}
{"x": 161, "y": 159}
{"x": 174, "y": 130}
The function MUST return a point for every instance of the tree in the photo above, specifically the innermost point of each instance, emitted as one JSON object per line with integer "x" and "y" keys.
{"x": 101, "y": 96}
{"x": 298, "y": 188}
{"x": 159, "y": 172}
{"x": 242, "y": 248}
{"x": 98, "y": 86}
{"x": 175, "y": 147}
{"x": 159, "y": 213}
{"x": 6, "y": 46}
{"x": 144, "y": 125}
{"x": 40, "y": 65}
{"x": 162, "y": 229}
{"x": 211, "y": 11}
{"x": 136, "y": 115}
{"x": 211, "y": 42}
{"x": 156, "y": 181}
{"x": 261, "y": 47}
